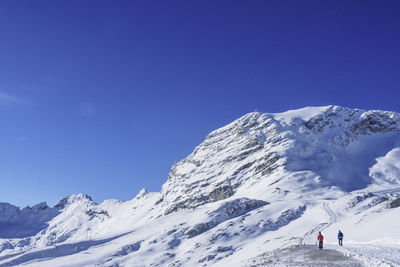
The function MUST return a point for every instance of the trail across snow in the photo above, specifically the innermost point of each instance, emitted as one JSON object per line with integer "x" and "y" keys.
{"x": 326, "y": 208}
{"x": 332, "y": 215}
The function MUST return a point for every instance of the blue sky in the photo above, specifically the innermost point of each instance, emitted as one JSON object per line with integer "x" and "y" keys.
{"x": 102, "y": 97}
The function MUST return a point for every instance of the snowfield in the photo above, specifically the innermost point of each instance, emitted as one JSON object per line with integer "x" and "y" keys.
{"x": 255, "y": 193}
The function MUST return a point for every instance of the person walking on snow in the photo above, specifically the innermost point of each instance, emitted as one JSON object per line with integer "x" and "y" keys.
{"x": 320, "y": 240}
{"x": 340, "y": 237}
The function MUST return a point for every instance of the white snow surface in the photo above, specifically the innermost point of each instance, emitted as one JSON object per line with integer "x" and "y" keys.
{"x": 387, "y": 168}
{"x": 260, "y": 184}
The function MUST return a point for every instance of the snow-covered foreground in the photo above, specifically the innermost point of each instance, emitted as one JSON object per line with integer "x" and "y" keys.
{"x": 373, "y": 254}
{"x": 304, "y": 256}
{"x": 350, "y": 255}
{"x": 255, "y": 192}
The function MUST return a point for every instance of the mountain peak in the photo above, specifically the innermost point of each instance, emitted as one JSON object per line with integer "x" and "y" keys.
{"x": 312, "y": 143}
{"x": 62, "y": 203}
{"x": 304, "y": 113}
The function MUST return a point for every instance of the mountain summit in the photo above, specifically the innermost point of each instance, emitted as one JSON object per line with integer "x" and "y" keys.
{"x": 260, "y": 183}
{"x": 317, "y": 146}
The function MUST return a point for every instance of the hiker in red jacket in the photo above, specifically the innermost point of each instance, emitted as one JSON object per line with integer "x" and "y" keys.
{"x": 320, "y": 240}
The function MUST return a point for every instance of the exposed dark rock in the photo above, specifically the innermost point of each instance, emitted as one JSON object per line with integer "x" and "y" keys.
{"x": 171, "y": 231}
{"x": 394, "y": 203}
{"x": 243, "y": 167}
{"x": 226, "y": 211}
{"x": 200, "y": 228}
{"x": 354, "y": 201}
{"x": 375, "y": 122}
{"x": 159, "y": 201}
{"x": 252, "y": 148}
{"x": 238, "y": 207}
{"x": 97, "y": 214}
{"x": 168, "y": 254}
{"x": 224, "y": 249}
{"x": 208, "y": 258}
{"x": 125, "y": 250}
{"x": 267, "y": 166}
{"x": 217, "y": 194}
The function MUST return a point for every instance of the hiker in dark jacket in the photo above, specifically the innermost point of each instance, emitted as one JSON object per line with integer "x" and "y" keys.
{"x": 320, "y": 240}
{"x": 340, "y": 238}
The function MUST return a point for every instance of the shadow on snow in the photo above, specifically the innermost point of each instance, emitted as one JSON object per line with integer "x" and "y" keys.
{"x": 57, "y": 251}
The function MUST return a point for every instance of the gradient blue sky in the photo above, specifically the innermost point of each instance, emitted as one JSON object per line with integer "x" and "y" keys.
{"x": 101, "y": 97}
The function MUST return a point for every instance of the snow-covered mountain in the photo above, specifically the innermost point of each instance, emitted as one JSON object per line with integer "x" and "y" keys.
{"x": 262, "y": 183}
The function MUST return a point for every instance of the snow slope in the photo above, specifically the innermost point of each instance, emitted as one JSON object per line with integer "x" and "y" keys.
{"x": 262, "y": 183}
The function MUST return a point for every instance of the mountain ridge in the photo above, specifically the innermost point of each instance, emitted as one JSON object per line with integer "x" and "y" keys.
{"x": 309, "y": 116}
{"x": 248, "y": 183}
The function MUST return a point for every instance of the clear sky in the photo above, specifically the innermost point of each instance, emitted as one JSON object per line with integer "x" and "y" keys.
{"x": 102, "y": 97}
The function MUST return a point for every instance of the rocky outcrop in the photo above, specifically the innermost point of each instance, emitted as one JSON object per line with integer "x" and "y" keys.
{"x": 226, "y": 211}
{"x": 376, "y": 122}
{"x": 394, "y": 203}
{"x": 62, "y": 203}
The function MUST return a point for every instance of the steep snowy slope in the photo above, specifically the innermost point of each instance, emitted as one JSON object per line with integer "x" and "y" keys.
{"x": 263, "y": 182}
